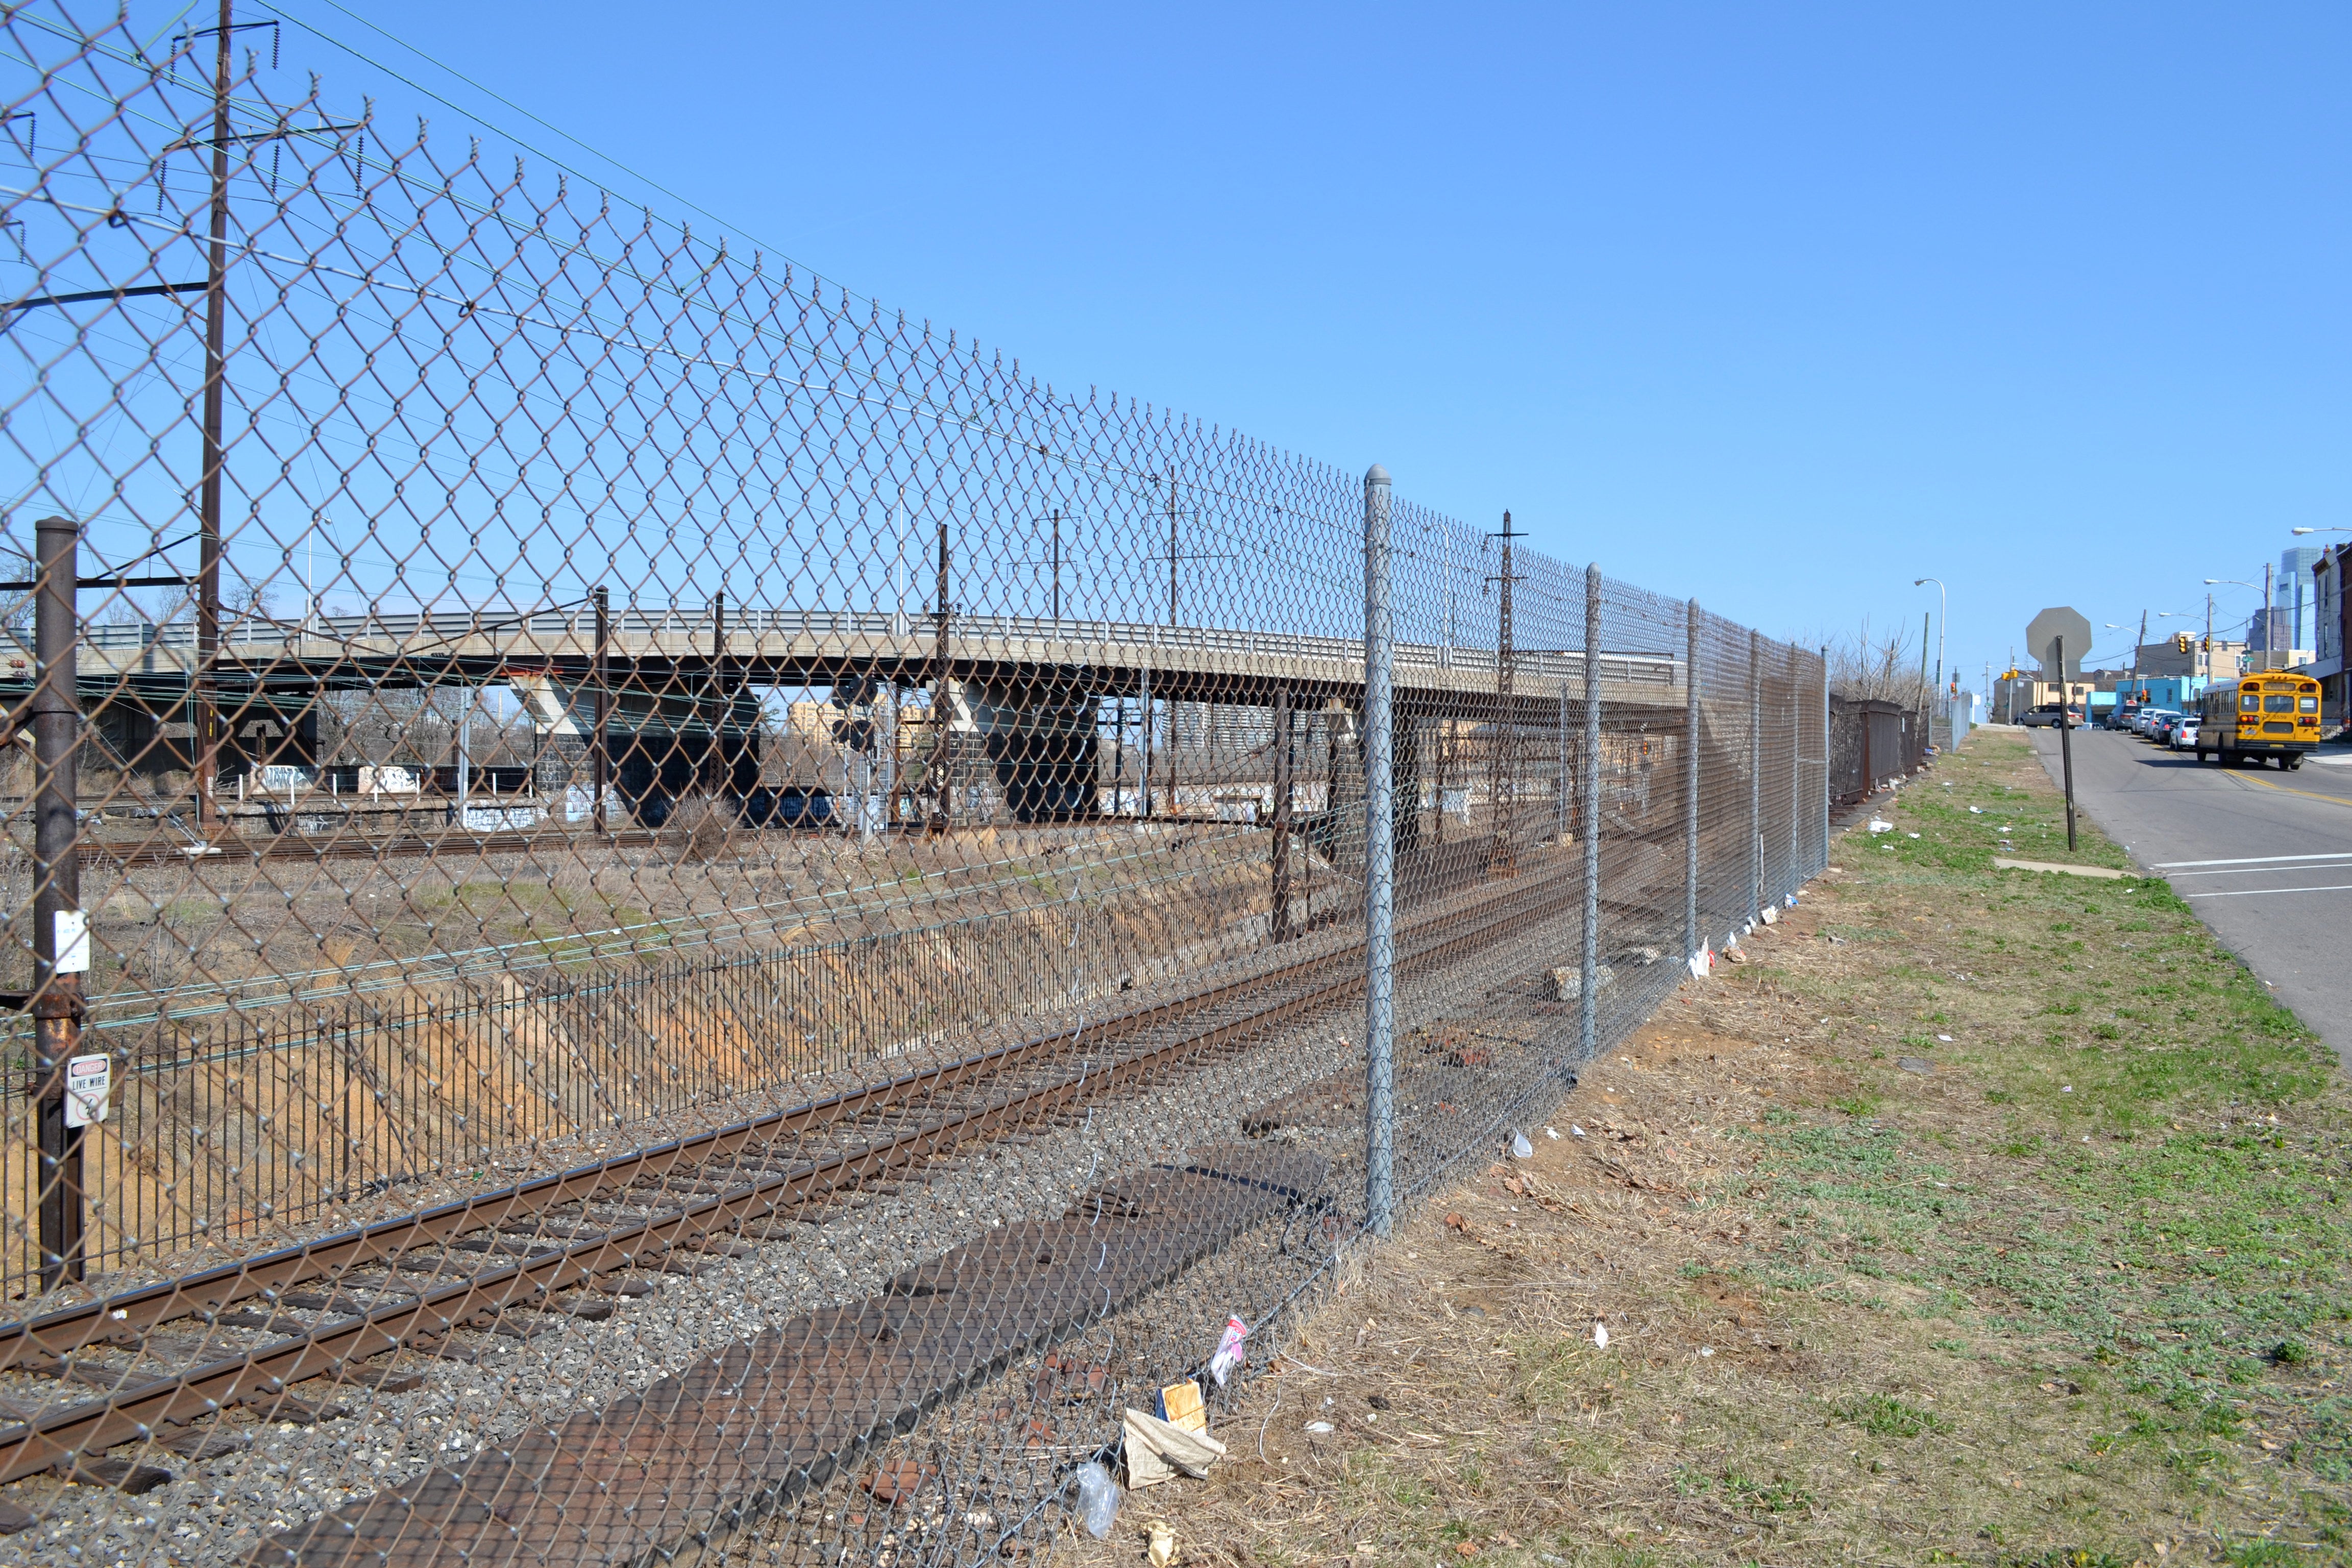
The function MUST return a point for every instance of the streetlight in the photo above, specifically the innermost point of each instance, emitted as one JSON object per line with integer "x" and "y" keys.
{"x": 2195, "y": 672}
{"x": 2329, "y": 529}
{"x": 1942, "y": 603}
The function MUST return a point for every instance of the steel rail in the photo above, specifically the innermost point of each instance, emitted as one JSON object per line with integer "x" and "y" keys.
{"x": 59, "y": 1436}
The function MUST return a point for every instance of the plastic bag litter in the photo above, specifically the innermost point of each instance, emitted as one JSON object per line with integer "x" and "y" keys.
{"x": 1160, "y": 1451}
{"x": 1233, "y": 1350}
{"x": 1521, "y": 1148}
{"x": 1320, "y": 1427}
{"x": 1551, "y": 1131}
{"x": 1098, "y": 1498}
{"x": 1772, "y": 914}
{"x": 1879, "y": 825}
{"x": 1599, "y": 1336}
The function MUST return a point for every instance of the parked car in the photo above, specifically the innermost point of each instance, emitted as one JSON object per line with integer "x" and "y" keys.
{"x": 2160, "y": 732}
{"x": 2046, "y": 717}
{"x": 2152, "y": 722}
{"x": 2184, "y": 733}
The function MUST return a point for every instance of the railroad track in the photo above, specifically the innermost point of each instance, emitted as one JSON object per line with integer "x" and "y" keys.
{"x": 324, "y": 1307}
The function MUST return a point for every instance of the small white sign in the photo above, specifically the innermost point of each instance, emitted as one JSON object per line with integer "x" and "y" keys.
{"x": 73, "y": 942}
{"x": 89, "y": 1081}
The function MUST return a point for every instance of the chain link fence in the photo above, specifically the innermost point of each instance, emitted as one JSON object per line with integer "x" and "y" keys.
{"x": 648, "y": 906}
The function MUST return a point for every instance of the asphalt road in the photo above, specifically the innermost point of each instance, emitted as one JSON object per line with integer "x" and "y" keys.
{"x": 2262, "y": 854}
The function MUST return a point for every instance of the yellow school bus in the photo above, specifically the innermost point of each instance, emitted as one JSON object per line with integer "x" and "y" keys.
{"x": 2271, "y": 714}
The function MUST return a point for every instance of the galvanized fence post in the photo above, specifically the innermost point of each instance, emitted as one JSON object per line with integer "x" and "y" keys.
{"x": 1380, "y": 847}
{"x": 1755, "y": 771}
{"x": 1588, "y": 1022}
{"x": 1690, "y": 780}
{"x": 60, "y": 931}
{"x": 1821, "y": 860}
{"x": 1792, "y": 874}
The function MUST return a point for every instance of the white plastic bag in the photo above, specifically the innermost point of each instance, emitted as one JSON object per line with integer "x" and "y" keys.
{"x": 1098, "y": 1499}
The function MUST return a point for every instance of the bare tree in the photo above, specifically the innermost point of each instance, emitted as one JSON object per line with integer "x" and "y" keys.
{"x": 1867, "y": 665}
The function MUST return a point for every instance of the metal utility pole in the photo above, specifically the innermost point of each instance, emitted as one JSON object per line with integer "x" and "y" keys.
{"x": 204, "y": 689}
{"x": 1379, "y": 867}
{"x": 1503, "y": 778}
{"x": 60, "y": 928}
{"x": 941, "y": 737}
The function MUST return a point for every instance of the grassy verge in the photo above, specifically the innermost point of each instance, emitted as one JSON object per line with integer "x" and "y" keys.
{"x": 1982, "y": 1217}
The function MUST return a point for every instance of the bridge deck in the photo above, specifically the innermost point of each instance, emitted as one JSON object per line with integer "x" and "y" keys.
{"x": 657, "y": 648}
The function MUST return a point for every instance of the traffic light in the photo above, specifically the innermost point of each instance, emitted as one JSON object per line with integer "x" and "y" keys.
{"x": 2180, "y": 642}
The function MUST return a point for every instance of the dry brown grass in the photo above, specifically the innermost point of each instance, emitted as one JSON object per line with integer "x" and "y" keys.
{"x": 1855, "y": 1312}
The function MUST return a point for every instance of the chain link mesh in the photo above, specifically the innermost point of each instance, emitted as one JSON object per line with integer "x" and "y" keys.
{"x": 712, "y": 915}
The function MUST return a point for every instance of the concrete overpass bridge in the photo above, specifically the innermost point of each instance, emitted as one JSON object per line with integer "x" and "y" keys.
{"x": 689, "y": 652}
{"x": 665, "y": 690}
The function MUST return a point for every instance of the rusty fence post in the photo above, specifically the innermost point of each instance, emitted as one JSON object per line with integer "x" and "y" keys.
{"x": 60, "y": 929}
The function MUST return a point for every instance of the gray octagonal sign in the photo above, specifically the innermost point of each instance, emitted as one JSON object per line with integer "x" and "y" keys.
{"x": 2042, "y": 634}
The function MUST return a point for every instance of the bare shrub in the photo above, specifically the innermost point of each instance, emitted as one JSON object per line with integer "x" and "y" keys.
{"x": 706, "y": 827}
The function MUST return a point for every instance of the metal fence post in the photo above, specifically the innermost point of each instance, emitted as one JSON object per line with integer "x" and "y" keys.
{"x": 1789, "y": 875}
{"x": 1588, "y": 1020}
{"x": 1380, "y": 847}
{"x": 1821, "y": 860}
{"x": 1756, "y": 772}
{"x": 1690, "y": 781}
{"x": 600, "y": 773}
{"x": 60, "y": 933}
{"x": 1278, "y": 912}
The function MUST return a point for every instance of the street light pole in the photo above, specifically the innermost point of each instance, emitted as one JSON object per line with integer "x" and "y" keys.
{"x": 2237, "y": 583}
{"x": 1943, "y": 609}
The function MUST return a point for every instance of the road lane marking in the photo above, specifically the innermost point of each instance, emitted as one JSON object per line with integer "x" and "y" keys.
{"x": 2251, "y": 861}
{"x": 2254, "y": 871}
{"x": 2284, "y": 789}
{"x": 2249, "y": 893}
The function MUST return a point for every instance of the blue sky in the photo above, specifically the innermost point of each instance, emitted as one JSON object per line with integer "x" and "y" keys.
{"x": 1780, "y": 305}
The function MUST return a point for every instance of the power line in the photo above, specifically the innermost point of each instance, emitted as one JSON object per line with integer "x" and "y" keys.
{"x": 500, "y": 130}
